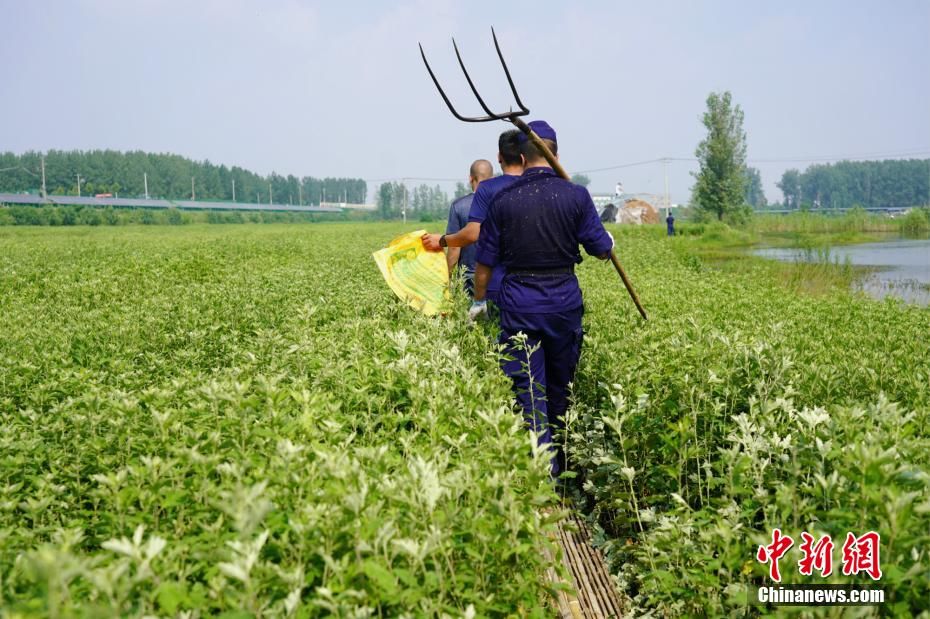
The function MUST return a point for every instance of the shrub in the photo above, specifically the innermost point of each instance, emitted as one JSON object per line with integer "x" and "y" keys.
{"x": 916, "y": 221}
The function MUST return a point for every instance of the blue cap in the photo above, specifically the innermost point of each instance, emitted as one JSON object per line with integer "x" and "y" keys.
{"x": 542, "y": 129}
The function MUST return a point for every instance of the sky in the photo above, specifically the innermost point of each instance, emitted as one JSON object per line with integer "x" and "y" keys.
{"x": 338, "y": 88}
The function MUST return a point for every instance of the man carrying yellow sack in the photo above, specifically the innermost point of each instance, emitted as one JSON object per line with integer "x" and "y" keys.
{"x": 511, "y": 161}
{"x": 421, "y": 277}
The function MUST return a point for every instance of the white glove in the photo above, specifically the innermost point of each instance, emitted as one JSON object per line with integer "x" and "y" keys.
{"x": 477, "y": 309}
{"x": 612, "y": 242}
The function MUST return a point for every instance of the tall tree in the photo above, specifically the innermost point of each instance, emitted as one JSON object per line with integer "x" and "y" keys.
{"x": 790, "y": 185}
{"x": 754, "y": 194}
{"x": 461, "y": 189}
{"x": 385, "y": 201}
{"x": 722, "y": 157}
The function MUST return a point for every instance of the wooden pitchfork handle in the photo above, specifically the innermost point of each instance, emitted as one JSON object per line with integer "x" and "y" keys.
{"x": 541, "y": 146}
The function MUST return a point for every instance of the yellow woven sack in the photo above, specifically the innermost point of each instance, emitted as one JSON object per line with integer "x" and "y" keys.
{"x": 417, "y": 276}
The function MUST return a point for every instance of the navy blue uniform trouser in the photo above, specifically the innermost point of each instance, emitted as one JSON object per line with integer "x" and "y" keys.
{"x": 541, "y": 376}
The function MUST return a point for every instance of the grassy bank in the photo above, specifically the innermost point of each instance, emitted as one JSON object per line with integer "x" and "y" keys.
{"x": 853, "y": 226}
{"x": 810, "y": 230}
{"x": 727, "y": 249}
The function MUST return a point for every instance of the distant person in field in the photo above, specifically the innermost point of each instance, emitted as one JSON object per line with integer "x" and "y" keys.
{"x": 533, "y": 229}
{"x": 670, "y": 224}
{"x": 511, "y": 162}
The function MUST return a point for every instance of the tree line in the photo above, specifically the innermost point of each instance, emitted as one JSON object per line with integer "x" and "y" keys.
{"x": 169, "y": 177}
{"x": 871, "y": 184}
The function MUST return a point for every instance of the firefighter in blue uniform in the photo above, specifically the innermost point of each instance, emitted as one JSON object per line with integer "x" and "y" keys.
{"x": 532, "y": 230}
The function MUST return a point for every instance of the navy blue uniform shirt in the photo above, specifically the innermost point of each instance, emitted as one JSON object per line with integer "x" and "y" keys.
{"x": 487, "y": 191}
{"x": 537, "y": 223}
{"x": 458, "y": 218}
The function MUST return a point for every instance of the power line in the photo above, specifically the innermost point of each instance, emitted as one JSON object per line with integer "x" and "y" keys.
{"x": 18, "y": 167}
{"x": 409, "y": 178}
{"x": 622, "y": 165}
{"x": 793, "y": 159}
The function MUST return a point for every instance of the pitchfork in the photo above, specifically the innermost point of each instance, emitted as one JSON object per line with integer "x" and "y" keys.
{"x": 513, "y": 117}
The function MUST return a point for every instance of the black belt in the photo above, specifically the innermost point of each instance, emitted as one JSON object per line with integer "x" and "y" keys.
{"x": 541, "y": 272}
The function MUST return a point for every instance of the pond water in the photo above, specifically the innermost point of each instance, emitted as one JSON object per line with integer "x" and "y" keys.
{"x": 901, "y": 267}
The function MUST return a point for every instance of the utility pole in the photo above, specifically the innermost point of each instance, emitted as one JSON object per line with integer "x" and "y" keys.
{"x": 404, "y": 211}
{"x": 300, "y": 194}
{"x": 668, "y": 204}
{"x": 270, "y": 199}
{"x": 234, "y": 189}
{"x": 193, "y": 195}
{"x": 44, "y": 190}
{"x": 79, "y": 184}
{"x": 145, "y": 181}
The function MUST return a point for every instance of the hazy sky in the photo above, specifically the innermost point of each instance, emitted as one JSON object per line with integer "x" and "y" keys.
{"x": 338, "y": 89}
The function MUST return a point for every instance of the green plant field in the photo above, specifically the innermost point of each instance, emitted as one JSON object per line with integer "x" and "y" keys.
{"x": 744, "y": 406}
{"x": 243, "y": 420}
{"x": 202, "y": 420}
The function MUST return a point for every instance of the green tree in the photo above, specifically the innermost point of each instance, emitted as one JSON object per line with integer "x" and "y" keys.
{"x": 461, "y": 189}
{"x": 790, "y": 185}
{"x": 400, "y": 198}
{"x": 722, "y": 158}
{"x": 754, "y": 195}
{"x": 385, "y": 202}
{"x": 581, "y": 179}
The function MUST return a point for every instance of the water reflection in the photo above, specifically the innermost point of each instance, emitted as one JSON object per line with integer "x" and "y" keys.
{"x": 901, "y": 267}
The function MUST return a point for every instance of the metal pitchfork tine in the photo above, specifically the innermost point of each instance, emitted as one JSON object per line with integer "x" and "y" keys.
{"x": 508, "y": 116}
{"x": 513, "y": 117}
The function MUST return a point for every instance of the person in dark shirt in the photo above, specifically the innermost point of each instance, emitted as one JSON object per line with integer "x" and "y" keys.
{"x": 464, "y": 257}
{"x": 670, "y": 224}
{"x": 510, "y": 159}
{"x": 533, "y": 230}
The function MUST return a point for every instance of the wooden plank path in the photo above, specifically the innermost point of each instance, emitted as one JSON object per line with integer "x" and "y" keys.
{"x": 594, "y": 595}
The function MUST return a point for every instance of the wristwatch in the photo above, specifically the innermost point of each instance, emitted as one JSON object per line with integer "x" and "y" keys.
{"x": 442, "y": 241}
